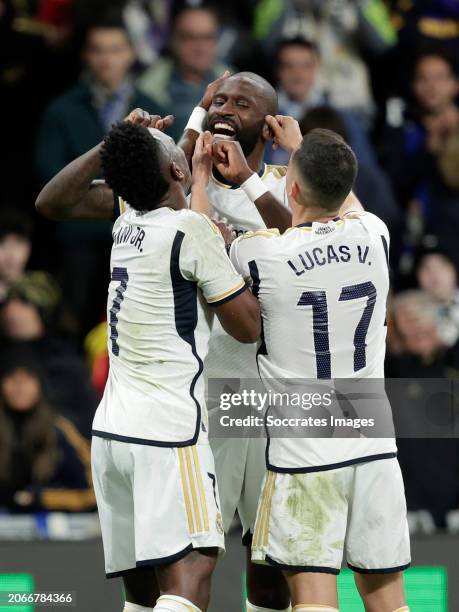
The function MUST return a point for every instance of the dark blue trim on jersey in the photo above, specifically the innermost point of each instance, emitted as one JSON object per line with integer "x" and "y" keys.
{"x": 325, "y": 468}
{"x": 142, "y": 441}
{"x": 303, "y": 568}
{"x": 127, "y": 572}
{"x": 186, "y": 316}
{"x": 386, "y": 248}
{"x": 228, "y": 298}
{"x": 255, "y": 276}
{"x": 221, "y": 179}
{"x": 166, "y": 560}
{"x": 309, "y": 223}
{"x": 385, "y": 570}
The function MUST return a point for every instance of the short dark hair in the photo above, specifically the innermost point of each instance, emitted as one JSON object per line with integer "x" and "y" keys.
{"x": 132, "y": 166}
{"x": 427, "y": 51}
{"x": 323, "y": 117}
{"x": 15, "y": 223}
{"x": 297, "y": 41}
{"x": 328, "y": 166}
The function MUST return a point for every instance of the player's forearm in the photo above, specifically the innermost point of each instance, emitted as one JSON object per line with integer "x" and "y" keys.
{"x": 199, "y": 199}
{"x": 273, "y": 213}
{"x": 68, "y": 189}
{"x": 187, "y": 143}
{"x": 351, "y": 204}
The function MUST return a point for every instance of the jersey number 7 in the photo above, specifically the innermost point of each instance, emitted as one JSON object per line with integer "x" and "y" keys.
{"x": 121, "y": 275}
{"x": 318, "y": 301}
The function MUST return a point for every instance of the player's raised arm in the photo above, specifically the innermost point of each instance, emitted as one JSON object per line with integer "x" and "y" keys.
{"x": 230, "y": 161}
{"x": 75, "y": 191}
{"x": 197, "y": 118}
{"x": 201, "y": 169}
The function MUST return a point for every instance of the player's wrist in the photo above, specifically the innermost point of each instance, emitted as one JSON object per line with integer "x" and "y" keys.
{"x": 196, "y": 120}
{"x": 254, "y": 187}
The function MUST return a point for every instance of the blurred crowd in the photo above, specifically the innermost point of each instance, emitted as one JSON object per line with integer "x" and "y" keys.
{"x": 382, "y": 73}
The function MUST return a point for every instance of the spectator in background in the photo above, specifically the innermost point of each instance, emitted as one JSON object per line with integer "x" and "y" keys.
{"x": 72, "y": 124}
{"x": 334, "y": 26}
{"x": 437, "y": 276}
{"x": 301, "y": 87}
{"x": 15, "y": 247}
{"x": 412, "y": 153}
{"x": 416, "y": 353}
{"x": 27, "y": 318}
{"x": 44, "y": 461}
{"x": 409, "y": 152}
{"x": 177, "y": 83}
{"x": 78, "y": 119}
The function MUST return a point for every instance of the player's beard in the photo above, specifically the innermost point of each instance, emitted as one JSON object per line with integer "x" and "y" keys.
{"x": 249, "y": 137}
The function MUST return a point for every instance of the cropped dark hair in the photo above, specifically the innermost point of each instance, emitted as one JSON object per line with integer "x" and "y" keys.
{"x": 131, "y": 163}
{"x": 13, "y": 222}
{"x": 328, "y": 166}
{"x": 297, "y": 41}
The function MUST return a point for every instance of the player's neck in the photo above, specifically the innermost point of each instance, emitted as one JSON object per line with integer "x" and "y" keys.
{"x": 255, "y": 158}
{"x": 312, "y": 216}
{"x": 174, "y": 198}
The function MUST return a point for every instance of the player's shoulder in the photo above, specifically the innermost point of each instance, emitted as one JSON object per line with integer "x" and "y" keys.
{"x": 258, "y": 241}
{"x": 198, "y": 224}
{"x": 369, "y": 220}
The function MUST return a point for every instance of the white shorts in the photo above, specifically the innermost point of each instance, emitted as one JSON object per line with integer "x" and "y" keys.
{"x": 241, "y": 467}
{"x": 155, "y": 504}
{"x": 305, "y": 522}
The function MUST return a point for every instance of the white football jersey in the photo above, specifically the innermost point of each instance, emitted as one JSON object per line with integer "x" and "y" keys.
{"x": 322, "y": 288}
{"x": 228, "y": 358}
{"x": 164, "y": 265}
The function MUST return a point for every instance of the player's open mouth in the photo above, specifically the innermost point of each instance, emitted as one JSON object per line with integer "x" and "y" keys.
{"x": 224, "y": 130}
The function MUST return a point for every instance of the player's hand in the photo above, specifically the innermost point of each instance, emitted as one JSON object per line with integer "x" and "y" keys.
{"x": 201, "y": 163}
{"x": 285, "y": 131}
{"x": 230, "y": 160}
{"x": 141, "y": 117}
{"x": 226, "y": 230}
{"x": 212, "y": 89}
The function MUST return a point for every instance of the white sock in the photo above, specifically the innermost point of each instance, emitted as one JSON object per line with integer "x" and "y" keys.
{"x": 174, "y": 603}
{"x": 251, "y": 608}
{"x": 130, "y": 607}
{"x": 314, "y": 608}
{"x": 402, "y": 609}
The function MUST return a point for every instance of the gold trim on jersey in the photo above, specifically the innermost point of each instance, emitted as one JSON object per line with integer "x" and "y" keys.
{"x": 215, "y": 228}
{"x": 267, "y": 233}
{"x": 222, "y": 296}
{"x": 122, "y": 204}
{"x": 260, "y": 536}
{"x": 193, "y": 490}
{"x": 278, "y": 171}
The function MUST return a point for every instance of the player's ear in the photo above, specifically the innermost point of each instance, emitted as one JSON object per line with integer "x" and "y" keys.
{"x": 266, "y": 132}
{"x": 177, "y": 173}
{"x": 294, "y": 191}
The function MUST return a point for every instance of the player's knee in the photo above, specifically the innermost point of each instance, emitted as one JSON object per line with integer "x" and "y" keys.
{"x": 174, "y": 603}
{"x": 267, "y": 588}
